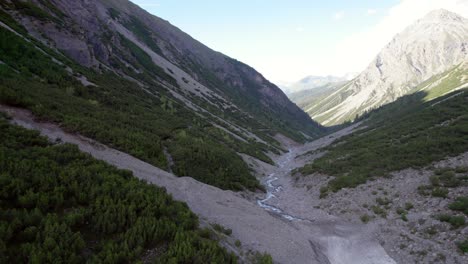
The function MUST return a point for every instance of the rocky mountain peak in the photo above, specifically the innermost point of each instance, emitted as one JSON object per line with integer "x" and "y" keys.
{"x": 442, "y": 15}
{"x": 432, "y": 45}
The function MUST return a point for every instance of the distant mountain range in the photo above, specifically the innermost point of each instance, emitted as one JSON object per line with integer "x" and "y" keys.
{"x": 314, "y": 81}
{"x": 431, "y": 56}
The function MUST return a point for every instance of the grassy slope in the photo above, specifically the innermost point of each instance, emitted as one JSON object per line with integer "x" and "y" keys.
{"x": 121, "y": 114}
{"x": 320, "y": 105}
{"x": 406, "y": 133}
{"x": 60, "y": 205}
{"x": 449, "y": 80}
{"x": 309, "y": 98}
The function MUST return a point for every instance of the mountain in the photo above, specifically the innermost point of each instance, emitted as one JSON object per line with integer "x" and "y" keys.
{"x": 106, "y": 26}
{"x": 111, "y": 71}
{"x": 406, "y": 165}
{"x": 432, "y": 49}
{"x": 310, "y": 97}
{"x": 311, "y": 82}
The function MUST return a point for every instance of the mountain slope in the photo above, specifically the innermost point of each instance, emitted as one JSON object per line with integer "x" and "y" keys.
{"x": 409, "y": 132}
{"x": 74, "y": 208}
{"x": 113, "y": 72}
{"x": 308, "y": 98}
{"x": 405, "y": 171}
{"x": 433, "y": 45}
{"x": 199, "y": 71}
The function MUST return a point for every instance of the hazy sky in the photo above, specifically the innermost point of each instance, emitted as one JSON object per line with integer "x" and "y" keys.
{"x": 286, "y": 40}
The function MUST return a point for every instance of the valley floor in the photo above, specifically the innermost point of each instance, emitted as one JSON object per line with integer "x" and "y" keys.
{"x": 420, "y": 238}
{"x": 293, "y": 225}
{"x": 406, "y": 225}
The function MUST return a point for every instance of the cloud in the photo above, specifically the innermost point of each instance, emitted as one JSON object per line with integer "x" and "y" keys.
{"x": 371, "y": 12}
{"x": 338, "y": 15}
{"x": 355, "y": 52}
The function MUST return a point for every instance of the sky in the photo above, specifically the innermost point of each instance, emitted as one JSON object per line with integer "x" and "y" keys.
{"x": 286, "y": 40}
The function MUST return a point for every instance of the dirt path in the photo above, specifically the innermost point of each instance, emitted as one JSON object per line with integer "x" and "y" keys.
{"x": 318, "y": 239}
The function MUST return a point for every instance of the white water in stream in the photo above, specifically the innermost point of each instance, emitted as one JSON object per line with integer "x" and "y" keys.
{"x": 273, "y": 190}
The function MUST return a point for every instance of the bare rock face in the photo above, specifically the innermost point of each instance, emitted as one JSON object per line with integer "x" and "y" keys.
{"x": 432, "y": 45}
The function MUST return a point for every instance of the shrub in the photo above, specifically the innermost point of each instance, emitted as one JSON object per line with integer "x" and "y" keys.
{"x": 205, "y": 233}
{"x": 435, "y": 181}
{"x": 425, "y": 190}
{"x": 323, "y": 192}
{"x": 379, "y": 211}
{"x": 463, "y": 245}
{"x": 408, "y": 206}
{"x": 440, "y": 192}
{"x": 404, "y": 217}
{"x": 449, "y": 179}
{"x": 365, "y": 218}
{"x": 400, "y": 211}
{"x": 455, "y": 220}
{"x": 262, "y": 258}
{"x": 222, "y": 229}
{"x": 382, "y": 201}
{"x": 432, "y": 230}
{"x": 461, "y": 169}
{"x": 460, "y": 204}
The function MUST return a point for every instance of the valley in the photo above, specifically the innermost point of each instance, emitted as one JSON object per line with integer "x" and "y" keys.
{"x": 124, "y": 139}
{"x": 309, "y": 235}
{"x": 291, "y": 218}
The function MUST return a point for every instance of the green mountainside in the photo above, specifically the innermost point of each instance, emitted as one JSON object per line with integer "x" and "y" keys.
{"x": 407, "y": 133}
{"x": 59, "y": 205}
{"x": 112, "y": 72}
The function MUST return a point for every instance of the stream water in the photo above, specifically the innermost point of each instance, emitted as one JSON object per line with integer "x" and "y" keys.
{"x": 273, "y": 190}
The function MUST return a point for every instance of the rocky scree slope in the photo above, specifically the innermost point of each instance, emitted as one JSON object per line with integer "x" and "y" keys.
{"x": 431, "y": 46}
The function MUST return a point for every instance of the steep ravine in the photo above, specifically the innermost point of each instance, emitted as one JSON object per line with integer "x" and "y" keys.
{"x": 310, "y": 236}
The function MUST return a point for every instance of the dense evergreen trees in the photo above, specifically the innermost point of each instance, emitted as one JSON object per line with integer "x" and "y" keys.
{"x": 58, "y": 205}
